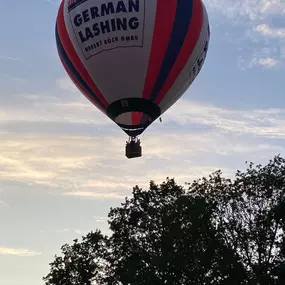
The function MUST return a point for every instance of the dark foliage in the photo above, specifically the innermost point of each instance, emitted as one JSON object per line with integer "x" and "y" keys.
{"x": 217, "y": 231}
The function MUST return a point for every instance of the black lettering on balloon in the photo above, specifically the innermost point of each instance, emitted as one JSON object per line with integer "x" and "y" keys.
{"x": 121, "y": 7}
{"x": 113, "y": 25}
{"x": 96, "y": 30}
{"x": 85, "y": 16}
{"x": 121, "y": 24}
{"x": 78, "y": 20}
{"x": 105, "y": 27}
{"x": 134, "y": 6}
{"x": 82, "y": 38}
{"x": 134, "y": 23}
{"x": 94, "y": 12}
{"x": 88, "y": 34}
{"x": 107, "y": 9}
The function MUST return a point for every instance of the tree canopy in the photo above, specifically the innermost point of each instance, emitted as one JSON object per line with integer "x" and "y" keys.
{"x": 211, "y": 231}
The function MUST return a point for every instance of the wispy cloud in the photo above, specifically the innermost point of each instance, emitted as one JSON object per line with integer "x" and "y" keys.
{"x": 259, "y": 28}
{"x": 10, "y": 58}
{"x": 18, "y": 252}
{"x": 94, "y": 195}
{"x": 2, "y": 203}
{"x": 267, "y": 122}
{"x": 267, "y": 62}
{"x": 250, "y": 9}
{"x": 53, "y": 2}
{"x": 76, "y": 231}
{"x": 100, "y": 219}
{"x": 104, "y": 228}
{"x": 48, "y": 109}
{"x": 266, "y": 30}
{"x": 66, "y": 84}
{"x": 92, "y": 165}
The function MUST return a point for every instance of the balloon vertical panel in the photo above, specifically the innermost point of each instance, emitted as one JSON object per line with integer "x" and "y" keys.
{"x": 117, "y": 57}
{"x": 197, "y": 56}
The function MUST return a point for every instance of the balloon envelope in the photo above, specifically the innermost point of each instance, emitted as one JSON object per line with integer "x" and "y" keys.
{"x": 133, "y": 59}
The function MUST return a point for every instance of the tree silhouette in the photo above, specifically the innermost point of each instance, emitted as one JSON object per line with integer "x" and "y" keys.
{"x": 82, "y": 263}
{"x": 214, "y": 231}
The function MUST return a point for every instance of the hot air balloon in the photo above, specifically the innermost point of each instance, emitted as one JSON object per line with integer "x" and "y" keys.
{"x": 133, "y": 59}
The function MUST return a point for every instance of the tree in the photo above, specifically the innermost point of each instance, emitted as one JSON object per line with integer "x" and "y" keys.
{"x": 165, "y": 236}
{"x": 217, "y": 231}
{"x": 250, "y": 217}
{"x": 82, "y": 263}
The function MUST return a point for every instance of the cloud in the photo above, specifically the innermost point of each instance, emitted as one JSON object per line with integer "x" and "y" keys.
{"x": 101, "y": 184}
{"x": 49, "y": 109}
{"x": 247, "y": 9}
{"x": 265, "y": 57}
{"x": 267, "y": 62}
{"x": 94, "y": 195}
{"x": 257, "y": 25}
{"x": 18, "y": 252}
{"x": 76, "y": 231}
{"x": 266, "y": 30}
{"x": 272, "y": 7}
{"x": 267, "y": 122}
{"x": 104, "y": 228}
{"x": 70, "y": 164}
{"x": 66, "y": 84}
{"x": 92, "y": 165}
{"x": 52, "y": 2}
{"x": 100, "y": 219}
{"x": 4, "y": 204}
{"x": 9, "y": 58}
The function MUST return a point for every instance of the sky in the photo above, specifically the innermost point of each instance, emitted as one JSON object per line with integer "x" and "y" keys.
{"x": 62, "y": 163}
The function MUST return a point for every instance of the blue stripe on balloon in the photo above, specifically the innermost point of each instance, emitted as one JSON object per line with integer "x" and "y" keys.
{"x": 180, "y": 28}
{"x": 74, "y": 72}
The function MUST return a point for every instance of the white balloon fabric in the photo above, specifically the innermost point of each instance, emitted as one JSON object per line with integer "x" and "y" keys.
{"x": 133, "y": 59}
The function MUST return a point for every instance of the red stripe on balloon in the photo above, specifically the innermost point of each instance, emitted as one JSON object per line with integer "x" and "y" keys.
{"x": 188, "y": 46}
{"x": 136, "y": 117}
{"x": 73, "y": 56}
{"x": 165, "y": 15}
{"x": 82, "y": 90}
